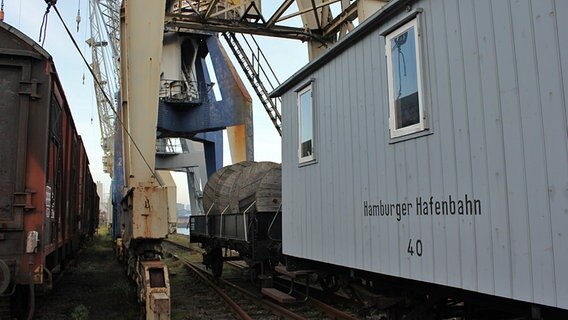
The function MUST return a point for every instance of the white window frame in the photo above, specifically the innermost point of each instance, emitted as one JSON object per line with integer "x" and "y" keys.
{"x": 300, "y": 92}
{"x": 422, "y": 124}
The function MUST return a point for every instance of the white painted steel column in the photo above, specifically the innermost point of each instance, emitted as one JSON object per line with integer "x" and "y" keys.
{"x": 146, "y": 204}
{"x": 141, "y": 55}
{"x": 142, "y": 28}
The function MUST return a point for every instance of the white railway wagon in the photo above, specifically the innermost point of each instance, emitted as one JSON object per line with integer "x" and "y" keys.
{"x": 432, "y": 144}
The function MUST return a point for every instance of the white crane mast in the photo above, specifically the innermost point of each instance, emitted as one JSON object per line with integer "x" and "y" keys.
{"x": 137, "y": 27}
{"x": 105, "y": 50}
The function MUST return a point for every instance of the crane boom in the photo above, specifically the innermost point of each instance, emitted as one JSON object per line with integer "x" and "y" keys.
{"x": 110, "y": 13}
{"x": 145, "y": 206}
{"x": 105, "y": 52}
{"x": 127, "y": 47}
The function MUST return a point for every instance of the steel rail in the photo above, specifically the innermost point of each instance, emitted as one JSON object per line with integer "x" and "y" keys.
{"x": 275, "y": 308}
{"x": 331, "y": 311}
{"x": 219, "y": 291}
{"x": 196, "y": 270}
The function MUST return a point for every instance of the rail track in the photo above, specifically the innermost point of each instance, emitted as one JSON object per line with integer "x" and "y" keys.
{"x": 238, "y": 299}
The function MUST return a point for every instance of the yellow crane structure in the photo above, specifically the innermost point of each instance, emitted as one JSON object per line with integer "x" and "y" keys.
{"x": 142, "y": 27}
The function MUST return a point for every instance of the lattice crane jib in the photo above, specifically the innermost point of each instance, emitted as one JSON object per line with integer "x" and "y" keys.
{"x": 320, "y": 29}
{"x": 104, "y": 43}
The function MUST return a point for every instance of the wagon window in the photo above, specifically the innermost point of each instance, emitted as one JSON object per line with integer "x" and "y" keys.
{"x": 404, "y": 80}
{"x": 306, "y": 125}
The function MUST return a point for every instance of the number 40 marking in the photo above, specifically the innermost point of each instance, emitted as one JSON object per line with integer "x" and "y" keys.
{"x": 415, "y": 247}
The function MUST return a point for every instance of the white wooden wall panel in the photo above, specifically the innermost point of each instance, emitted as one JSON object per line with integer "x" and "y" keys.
{"x": 553, "y": 108}
{"x": 496, "y": 82}
{"x": 559, "y": 198}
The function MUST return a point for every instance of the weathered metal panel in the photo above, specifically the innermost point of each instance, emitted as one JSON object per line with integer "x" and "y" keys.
{"x": 143, "y": 214}
{"x": 495, "y": 78}
{"x": 10, "y": 84}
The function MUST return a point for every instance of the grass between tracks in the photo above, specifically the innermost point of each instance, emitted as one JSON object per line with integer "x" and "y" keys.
{"x": 184, "y": 299}
{"x": 94, "y": 287}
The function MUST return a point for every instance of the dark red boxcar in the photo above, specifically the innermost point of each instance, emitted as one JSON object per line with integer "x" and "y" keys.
{"x": 48, "y": 201}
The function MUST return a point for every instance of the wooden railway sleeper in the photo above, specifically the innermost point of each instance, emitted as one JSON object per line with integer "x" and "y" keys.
{"x": 293, "y": 275}
{"x": 306, "y": 291}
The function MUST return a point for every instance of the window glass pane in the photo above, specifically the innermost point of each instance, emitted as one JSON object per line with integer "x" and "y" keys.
{"x": 405, "y": 82}
{"x": 306, "y": 123}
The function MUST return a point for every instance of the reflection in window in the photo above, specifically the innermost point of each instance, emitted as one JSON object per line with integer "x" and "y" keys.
{"x": 403, "y": 63}
{"x": 306, "y": 124}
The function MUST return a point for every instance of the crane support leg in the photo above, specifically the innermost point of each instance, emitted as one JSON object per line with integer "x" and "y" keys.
{"x": 145, "y": 209}
{"x": 142, "y": 249}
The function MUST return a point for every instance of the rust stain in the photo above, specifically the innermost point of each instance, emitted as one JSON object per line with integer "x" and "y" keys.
{"x": 237, "y": 142}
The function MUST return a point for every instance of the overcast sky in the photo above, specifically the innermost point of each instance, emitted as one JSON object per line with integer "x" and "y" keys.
{"x": 285, "y": 56}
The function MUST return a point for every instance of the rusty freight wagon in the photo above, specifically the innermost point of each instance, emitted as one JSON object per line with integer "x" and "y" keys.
{"x": 48, "y": 201}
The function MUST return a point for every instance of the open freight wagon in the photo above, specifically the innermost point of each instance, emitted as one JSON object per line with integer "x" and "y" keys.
{"x": 243, "y": 214}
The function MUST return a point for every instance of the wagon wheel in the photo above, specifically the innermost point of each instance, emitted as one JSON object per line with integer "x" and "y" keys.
{"x": 217, "y": 262}
{"x": 254, "y": 273}
{"x": 4, "y": 276}
{"x": 329, "y": 283}
{"x": 217, "y": 268}
{"x": 142, "y": 314}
